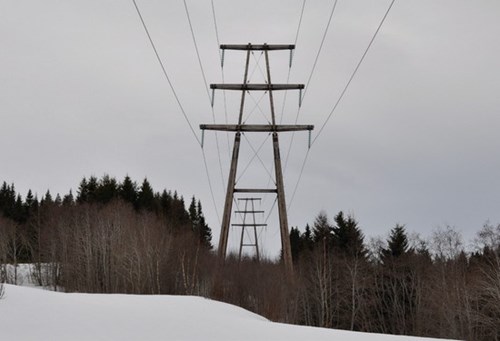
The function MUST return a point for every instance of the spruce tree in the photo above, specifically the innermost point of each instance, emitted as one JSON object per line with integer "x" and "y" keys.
{"x": 58, "y": 200}
{"x": 92, "y": 186}
{"x": 19, "y": 212}
{"x": 7, "y": 200}
{"x": 30, "y": 204}
{"x": 307, "y": 239}
{"x": 398, "y": 290}
{"x": 166, "y": 202}
{"x": 47, "y": 199}
{"x": 347, "y": 236}
{"x": 397, "y": 244}
{"x": 193, "y": 216}
{"x": 30, "y": 200}
{"x": 68, "y": 199}
{"x": 322, "y": 231}
{"x": 82, "y": 194}
{"x": 107, "y": 189}
{"x": 128, "y": 191}
{"x": 204, "y": 230}
{"x": 146, "y": 196}
{"x": 295, "y": 243}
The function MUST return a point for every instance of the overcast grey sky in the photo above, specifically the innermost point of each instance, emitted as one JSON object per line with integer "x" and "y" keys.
{"x": 414, "y": 141}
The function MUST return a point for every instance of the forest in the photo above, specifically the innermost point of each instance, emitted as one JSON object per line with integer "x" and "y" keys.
{"x": 124, "y": 237}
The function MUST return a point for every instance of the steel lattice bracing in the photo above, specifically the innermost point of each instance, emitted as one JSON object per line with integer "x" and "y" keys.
{"x": 272, "y": 128}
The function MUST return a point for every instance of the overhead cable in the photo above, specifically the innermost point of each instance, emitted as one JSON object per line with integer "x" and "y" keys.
{"x": 205, "y": 83}
{"x": 222, "y": 74}
{"x": 178, "y": 103}
{"x": 165, "y": 73}
{"x": 342, "y": 95}
{"x": 290, "y": 65}
{"x": 334, "y": 7}
{"x": 354, "y": 72}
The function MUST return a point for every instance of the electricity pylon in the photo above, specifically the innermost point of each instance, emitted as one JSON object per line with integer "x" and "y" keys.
{"x": 272, "y": 128}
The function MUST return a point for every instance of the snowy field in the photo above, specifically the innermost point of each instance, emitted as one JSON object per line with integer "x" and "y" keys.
{"x": 28, "y": 313}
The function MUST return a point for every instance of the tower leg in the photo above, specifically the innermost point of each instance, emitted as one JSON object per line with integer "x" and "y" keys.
{"x": 228, "y": 206}
{"x": 285, "y": 235}
{"x": 243, "y": 231}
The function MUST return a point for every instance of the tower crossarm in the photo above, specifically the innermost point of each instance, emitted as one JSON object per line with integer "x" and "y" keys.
{"x": 263, "y": 128}
{"x": 257, "y": 47}
{"x": 255, "y": 190}
{"x": 257, "y": 87}
{"x": 249, "y": 225}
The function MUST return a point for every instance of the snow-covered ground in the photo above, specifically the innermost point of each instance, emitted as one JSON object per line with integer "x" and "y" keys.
{"x": 28, "y": 313}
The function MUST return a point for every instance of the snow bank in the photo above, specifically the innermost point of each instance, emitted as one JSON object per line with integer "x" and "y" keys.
{"x": 35, "y": 314}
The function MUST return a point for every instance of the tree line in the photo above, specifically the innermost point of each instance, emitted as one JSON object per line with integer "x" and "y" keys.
{"x": 112, "y": 237}
{"x": 402, "y": 285}
{"x": 120, "y": 237}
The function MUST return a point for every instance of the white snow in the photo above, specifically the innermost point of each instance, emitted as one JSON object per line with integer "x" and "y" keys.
{"x": 35, "y": 314}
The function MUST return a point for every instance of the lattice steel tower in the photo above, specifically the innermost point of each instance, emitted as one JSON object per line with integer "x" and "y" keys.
{"x": 273, "y": 128}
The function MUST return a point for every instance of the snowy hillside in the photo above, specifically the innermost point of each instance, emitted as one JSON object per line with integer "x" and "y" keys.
{"x": 36, "y": 314}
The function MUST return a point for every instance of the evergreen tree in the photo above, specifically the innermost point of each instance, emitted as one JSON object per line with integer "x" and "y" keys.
{"x": 58, "y": 200}
{"x": 166, "y": 202}
{"x": 68, "y": 199}
{"x": 30, "y": 200}
{"x": 295, "y": 243}
{"x": 397, "y": 244}
{"x": 92, "y": 186}
{"x": 107, "y": 189}
{"x": 200, "y": 228}
{"x": 7, "y": 200}
{"x": 128, "y": 191}
{"x": 307, "y": 239}
{"x": 204, "y": 230}
{"x": 47, "y": 199}
{"x": 322, "y": 231}
{"x": 347, "y": 237}
{"x": 83, "y": 191}
{"x": 19, "y": 212}
{"x": 30, "y": 204}
{"x": 146, "y": 196}
{"x": 193, "y": 216}
{"x": 178, "y": 212}
{"x": 398, "y": 291}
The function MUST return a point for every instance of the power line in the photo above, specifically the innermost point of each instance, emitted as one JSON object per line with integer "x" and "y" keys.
{"x": 299, "y": 178}
{"x": 165, "y": 73}
{"x": 355, "y": 71}
{"x": 222, "y": 73}
{"x": 290, "y": 66}
{"x": 341, "y": 96}
{"x": 319, "y": 52}
{"x": 205, "y": 83}
{"x": 197, "y": 51}
{"x": 292, "y": 138}
{"x": 215, "y": 24}
{"x": 210, "y": 185}
{"x": 309, "y": 80}
{"x": 179, "y": 104}
{"x": 300, "y": 22}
